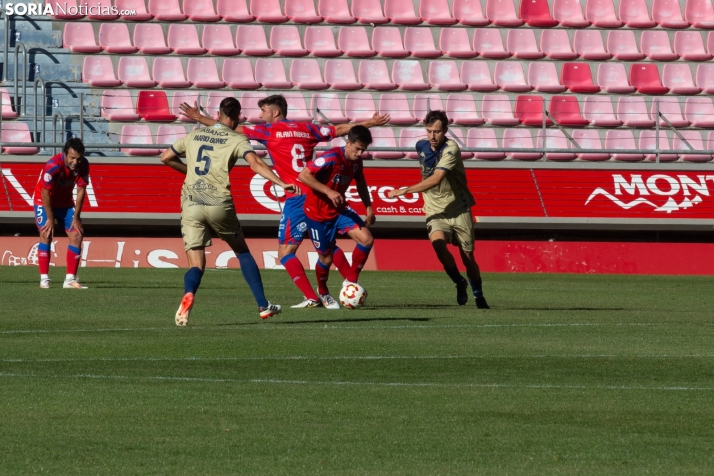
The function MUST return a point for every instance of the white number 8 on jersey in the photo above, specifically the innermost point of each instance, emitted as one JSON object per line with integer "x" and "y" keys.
{"x": 298, "y": 153}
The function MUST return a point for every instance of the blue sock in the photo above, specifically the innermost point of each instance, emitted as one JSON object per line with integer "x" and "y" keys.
{"x": 454, "y": 274}
{"x": 477, "y": 288}
{"x": 251, "y": 273}
{"x": 44, "y": 247}
{"x": 192, "y": 280}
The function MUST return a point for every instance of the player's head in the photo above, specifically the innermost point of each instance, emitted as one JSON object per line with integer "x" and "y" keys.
{"x": 436, "y": 126}
{"x": 229, "y": 112}
{"x": 358, "y": 139}
{"x": 73, "y": 152}
{"x": 273, "y": 108}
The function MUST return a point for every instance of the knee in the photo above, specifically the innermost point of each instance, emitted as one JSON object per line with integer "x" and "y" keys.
{"x": 367, "y": 241}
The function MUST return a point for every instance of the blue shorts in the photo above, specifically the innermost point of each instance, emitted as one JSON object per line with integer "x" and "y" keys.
{"x": 65, "y": 215}
{"x": 324, "y": 233}
{"x": 292, "y": 227}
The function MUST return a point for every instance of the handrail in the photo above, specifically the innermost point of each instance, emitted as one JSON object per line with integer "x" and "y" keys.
{"x": 19, "y": 45}
{"x": 43, "y": 109}
{"x": 54, "y": 129}
{"x": 6, "y": 47}
{"x": 81, "y": 117}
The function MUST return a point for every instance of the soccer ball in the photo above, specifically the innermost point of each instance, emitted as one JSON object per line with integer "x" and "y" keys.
{"x": 353, "y": 296}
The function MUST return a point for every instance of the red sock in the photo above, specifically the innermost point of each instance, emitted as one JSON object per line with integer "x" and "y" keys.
{"x": 359, "y": 258}
{"x": 43, "y": 258}
{"x": 296, "y": 271}
{"x": 340, "y": 261}
{"x": 73, "y": 255}
{"x": 322, "y": 274}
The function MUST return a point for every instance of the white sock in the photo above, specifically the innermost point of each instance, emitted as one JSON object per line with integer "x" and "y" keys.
{"x": 70, "y": 277}
{"x": 44, "y": 276}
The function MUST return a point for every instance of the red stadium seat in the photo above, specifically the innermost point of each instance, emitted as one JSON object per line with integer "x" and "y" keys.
{"x": 420, "y": 43}
{"x": 690, "y": 47}
{"x": 700, "y": 13}
{"x": 565, "y": 111}
{"x": 306, "y": 74}
{"x": 622, "y": 140}
{"x": 114, "y": 38}
{"x": 118, "y": 105}
{"x": 469, "y": 13}
{"x": 454, "y": 42}
{"x": 530, "y": 111}
{"x": 249, "y": 106}
{"x": 137, "y": 6}
{"x": 484, "y": 139}
{"x": 444, "y": 76}
{"x": 436, "y": 12}
{"x": 655, "y": 45}
{"x": 285, "y": 41}
{"x": 203, "y": 73}
{"x": 401, "y": 12}
{"x": 632, "y": 111}
{"x": 670, "y": 109}
{"x": 166, "y": 10}
{"x": 612, "y": 78}
{"x": 183, "y": 40}
{"x": 297, "y": 107}
{"x": 668, "y": 14}
{"x": 134, "y": 135}
{"x": 7, "y": 111}
{"x": 352, "y": 40}
{"x": 154, "y": 106}
{"x": 234, "y": 11}
{"x": 555, "y": 44}
{"x": 397, "y": 106}
{"x": 238, "y": 74}
{"x": 502, "y": 13}
{"x": 699, "y": 111}
{"x": 705, "y": 78}
{"x": 496, "y": 109}
{"x": 635, "y": 14}
{"x": 251, "y": 40}
{"x": 320, "y": 41}
{"x": 554, "y": 139}
{"x": 519, "y": 139}
{"x": 169, "y": 134}
{"x": 408, "y": 75}
{"x": 589, "y": 45}
{"x": 477, "y": 77}
{"x": 189, "y": 97}
{"x": 359, "y": 107}
{"x": 589, "y": 139}
{"x": 645, "y": 78}
{"x": 149, "y": 38}
{"x": 78, "y": 37}
{"x": 522, "y": 44}
{"x": 536, "y": 13}
{"x": 335, "y": 11}
{"x": 648, "y": 141}
{"x": 384, "y": 137}
{"x": 509, "y": 77}
{"x": 678, "y": 78}
{"x": 267, "y": 11}
{"x": 99, "y": 72}
{"x": 462, "y": 110}
{"x": 218, "y": 40}
{"x": 200, "y": 10}
{"x": 168, "y": 72}
{"x": 578, "y": 78}
{"x": 623, "y": 46}
{"x": 408, "y": 137}
{"x": 601, "y": 13}
{"x": 387, "y": 42}
{"x": 599, "y": 112}
{"x": 544, "y": 77}
{"x": 340, "y": 74}
{"x": 368, "y": 11}
{"x": 328, "y": 105}
{"x": 271, "y": 74}
{"x": 374, "y": 75}
{"x": 569, "y": 13}
{"x": 694, "y": 139}
{"x": 423, "y": 103}
{"x": 134, "y": 72}
{"x": 489, "y": 44}
{"x": 302, "y": 11}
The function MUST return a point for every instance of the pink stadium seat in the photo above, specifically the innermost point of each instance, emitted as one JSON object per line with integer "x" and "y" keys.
{"x": 477, "y": 77}
{"x": 114, "y": 38}
{"x": 484, "y": 139}
{"x": 612, "y": 78}
{"x": 131, "y": 134}
{"x": 694, "y": 139}
{"x": 183, "y": 40}
{"x": 335, "y": 11}
{"x": 297, "y": 107}
{"x": 555, "y": 44}
{"x": 578, "y": 78}
{"x": 408, "y": 75}
{"x": 189, "y": 97}
{"x": 589, "y": 45}
{"x": 536, "y": 13}
{"x": 423, "y": 103}
{"x": 68, "y": 16}
{"x": 522, "y": 44}
{"x": 249, "y": 106}
{"x": 690, "y": 47}
{"x": 200, "y": 10}
{"x": 285, "y": 41}
{"x": 554, "y": 139}
{"x": 368, "y": 11}
{"x": 655, "y": 45}
{"x": 374, "y": 75}
{"x": 462, "y": 110}
{"x": 544, "y": 77}
{"x": 169, "y": 134}
{"x": 271, "y": 74}
{"x": 489, "y": 44}
{"x": 154, "y": 106}
{"x": 502, "y": 13}
{"x": 530, "y": 111}
{"x": 710, "y": 141}
{"x": 387, "y": 42}
{"x": 166, "y": 10}
{"x": 469, "y": 13}
{"x": 622, "y": 140}
{"x": 509, "y": 77}
{"x": 632, "y": 111}
{"x": 79, "y": 38}
{"x": 203, "y": 73}
{"x": 302, "y": 11}
{"x": 408, "y": 137}
{"x": 699, "y": 112}
{"x": 234, "y": 11}
{"x": 670, "y": 109}
{"x": 359, "y": 107}
{"x": 138, "y": 6}
{"x": 149, "y": 38}
{"x": 306, "y": 74}
{"x": 648, "y": 142}
{"x": 668, "y": 14}
{"x": 218, "y": 40}
{"x": 635, "y": 14}
{"x": 565, "y": 111}
{"x": 457, "y": 136}
{"x": 678, "y": 78}
{"x": 352, "y": 40}
{"x": 384, "y": 137}
{"x": 454, "y": 42}
{"x": 436, "y": 12}
{"x": 328, "y": 104}
{"x": 168, "y": 72}
{"x": 397, "y": 106}
{"x": 589, "y": 139}
{"x": 496, "y": 109}
{"x": 238, "y": 74}
{"x": 519, "y": 139}
{"x": 320, "y": 41}
{"x": 710, "y": 42}
{"x": 599, "y": 112}
{"x": 569, "y": 13}
{"x": 601, "y": 13}
{"x": 444, "y": 76}
{"x": 7, "y": 111}
{"x": 401, "y": 12}
{"x": 340, "y": 74}
{"x": 623, "y": 46}
{"x": 267, "y": 11}
{"x": 251, "y": 40}
{"x": 705, "y": 77}
{"x": 99, "y": 72}
{"x": 645, "y": 78}
{"x": 700, "y": 13}
{"x": 134, "y": 72}
{"x": 100, "y": 9}
{"x": 420, "y": 43}
{"x": 118, "y": 106}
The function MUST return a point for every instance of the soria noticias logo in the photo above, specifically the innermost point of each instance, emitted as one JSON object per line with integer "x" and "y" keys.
{"x": 63, "y": 8}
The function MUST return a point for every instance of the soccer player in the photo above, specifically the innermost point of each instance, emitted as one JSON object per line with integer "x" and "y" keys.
{"x": 207, "y": 204}
{"x": 326, "y": 213}
{"x": 291, "y": 146}
{"x": 447, "y": 204}
{"x": 53, "y": 199}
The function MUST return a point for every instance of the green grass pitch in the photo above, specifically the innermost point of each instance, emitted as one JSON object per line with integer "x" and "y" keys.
{"x": 566, "y": 374}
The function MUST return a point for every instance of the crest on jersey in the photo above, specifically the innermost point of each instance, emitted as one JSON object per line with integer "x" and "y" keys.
{"x": 320, "y": 161}
{"x": 325, "y": 131}
{"x": 47, "y": 178}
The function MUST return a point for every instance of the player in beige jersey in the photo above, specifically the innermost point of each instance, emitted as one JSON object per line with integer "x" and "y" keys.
{"x": 207, "y": 204}
{"x": 447, "y": 205}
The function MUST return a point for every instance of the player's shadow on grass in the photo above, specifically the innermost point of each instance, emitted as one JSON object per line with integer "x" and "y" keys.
{"x": 358, "y": 319}
{"x": 514, "y": 308}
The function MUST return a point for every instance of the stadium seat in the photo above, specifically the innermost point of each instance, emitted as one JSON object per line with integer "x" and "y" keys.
{"x": 436, "y": 12}
{"x": 705, "y": 77}
{"x": 200, "y": 10}
{"x": 502, "y": 13}
{"x": 218, "y": 40}
{"x": 454, "y": 42}
{"x": 555, "y": 44}
{"x": 302, "y": 11}
{"x": 78, "y": 37}
{"x": 648, "y": 141}
{"x": 645, "y": 78}
{"x": 238, "y": 74}
{"x": 565, "y": 111}
{"x": 368, "y": 11}
{"x": 249, "y": 106}
{"x": 589, "y": 45}
{"x": 271, "y": 74}
{"x": 509, "y": 77}
{"x": 710, "y": 141}
{"x": 408, "y": 75}
{"x": 7, "y": 111}
{"x": 530, "y": 111}
{"x": 408, "y": 137}
{"x": 589, "y": 139}
{"x": 203, "y": 73}
{"x": 114, "y": 38}
{"x": 374, "y": 75}
{"x": 484, "y": 139}
{"x": 678, "y": 78}
{"x": 189, "y": 97}
{"x": 306, "y": 74}
{"x": 166, "y": 10}
{"x": 149, "y": 38}
{"x": 710, "y": 42}
{"x": 632, "y": 111}
{"x": 569, "y": 13}
{"x": 133, "y": 71}
{"x": 384, "y": 137}
{"x": 477, "y": 77}
{"x": 285, "y": 41}
{"x": 700, "y": 13}
{"x": 320, "y": 41}
{"x": 267, "y": 11}
{"x": 599, "y": 112}
{"x": 401, "y": 12}
{"x": 623, "y": 46}
{"x": 251, "y": 40}
{"x": 469, "y": 13}
{"x": 496, "y": 109}
{"x": 655, "y": 46}
{"x": 420, "y": 43}
{"x": 699, "y": 112}
{"x": 578, "y": 78}
{"x": 183, "y": 40}
{"x": 670, "y": 109}
{"x": 17, "y": 132}
{"x": 694, "y": 139}
{"x": 70, "y": 6}
{"x": 154, "y": 106}
{"x": 234, "y": 11}
{"x": 522, "y": 44}
{"x": 387, "y": 42}
{"x": 359, "y": 107}
{"x": 168, "y": 72}
{"x": 455, "y": 134}
{"x": 612, "y": 78}
{"x": 137, "y": 6}
{"x": 635, "y": 14}
{"x": 103, "y": 14}
{"x": 488, "y": 43}
{"x": 462, "y": 110}
{"x": 327, "y": 104}
{"x": 690, "y": 47}
{"x": 340, "y": 74}
{"x": 297, "y": 107}
{"x": 519, "y": 139}
{"x": 137, "y": 134}
{"x": 668, "y": 14}
{"x": 117, "y": 105}
{"x": 554, "y": 139}
{"x": 397, "y": 106}
{"x": 624, "y": 139}
{"x": 169, "y": 134}
{"x": 444, "y": 76}
{"x": 543, "y": 77}
{"x": 601, "y": 13}
{"x": 98, "y": 71}
{"x": 335, "y": 11}
{"x": 352, "y": 40}
{"x": 536, "y": 13}
{"x": 423, "y": 103}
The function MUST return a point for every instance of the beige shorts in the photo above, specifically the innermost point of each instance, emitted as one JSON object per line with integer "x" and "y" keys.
{"x": 459, "y": 229}
{"x": 197, "y": 222}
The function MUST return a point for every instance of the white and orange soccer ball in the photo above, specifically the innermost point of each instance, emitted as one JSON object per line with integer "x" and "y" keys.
{"x": 353, "y": 296}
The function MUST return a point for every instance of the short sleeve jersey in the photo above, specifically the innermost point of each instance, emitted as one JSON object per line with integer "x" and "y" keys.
{"x": 291, "y": 145}
{"x": 335, "y": 171}
{"x": 211, "y": 153}
{"x": 452, "y": 195}
{"x": 60, "y": 181}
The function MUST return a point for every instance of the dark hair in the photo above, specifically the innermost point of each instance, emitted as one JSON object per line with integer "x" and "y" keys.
{"x": 360, "y": 134}
{"x": 74, "y": 143}
{"x": 277, "y": 100}
{"x": 433, "y": 116}
{"x": 230, "y": 107}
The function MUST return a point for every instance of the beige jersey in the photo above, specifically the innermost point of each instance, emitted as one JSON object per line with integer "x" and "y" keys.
{"x": 452, "y": 195}
{"x": 211, "y": 153}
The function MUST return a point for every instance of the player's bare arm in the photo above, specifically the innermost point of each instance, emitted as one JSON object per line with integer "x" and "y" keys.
{"x": 363, "y": 192}
{"x": 258, "y": 166}
{"x": 194, "y": 114}
{"x": 423, "y": 186}
{"x": 309, "y": 179}
{"x": 376, "y": 121}
{"x": 48, "y": 230}
{"x": 77, "y": 222}
{"x": 170, "y": 158}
